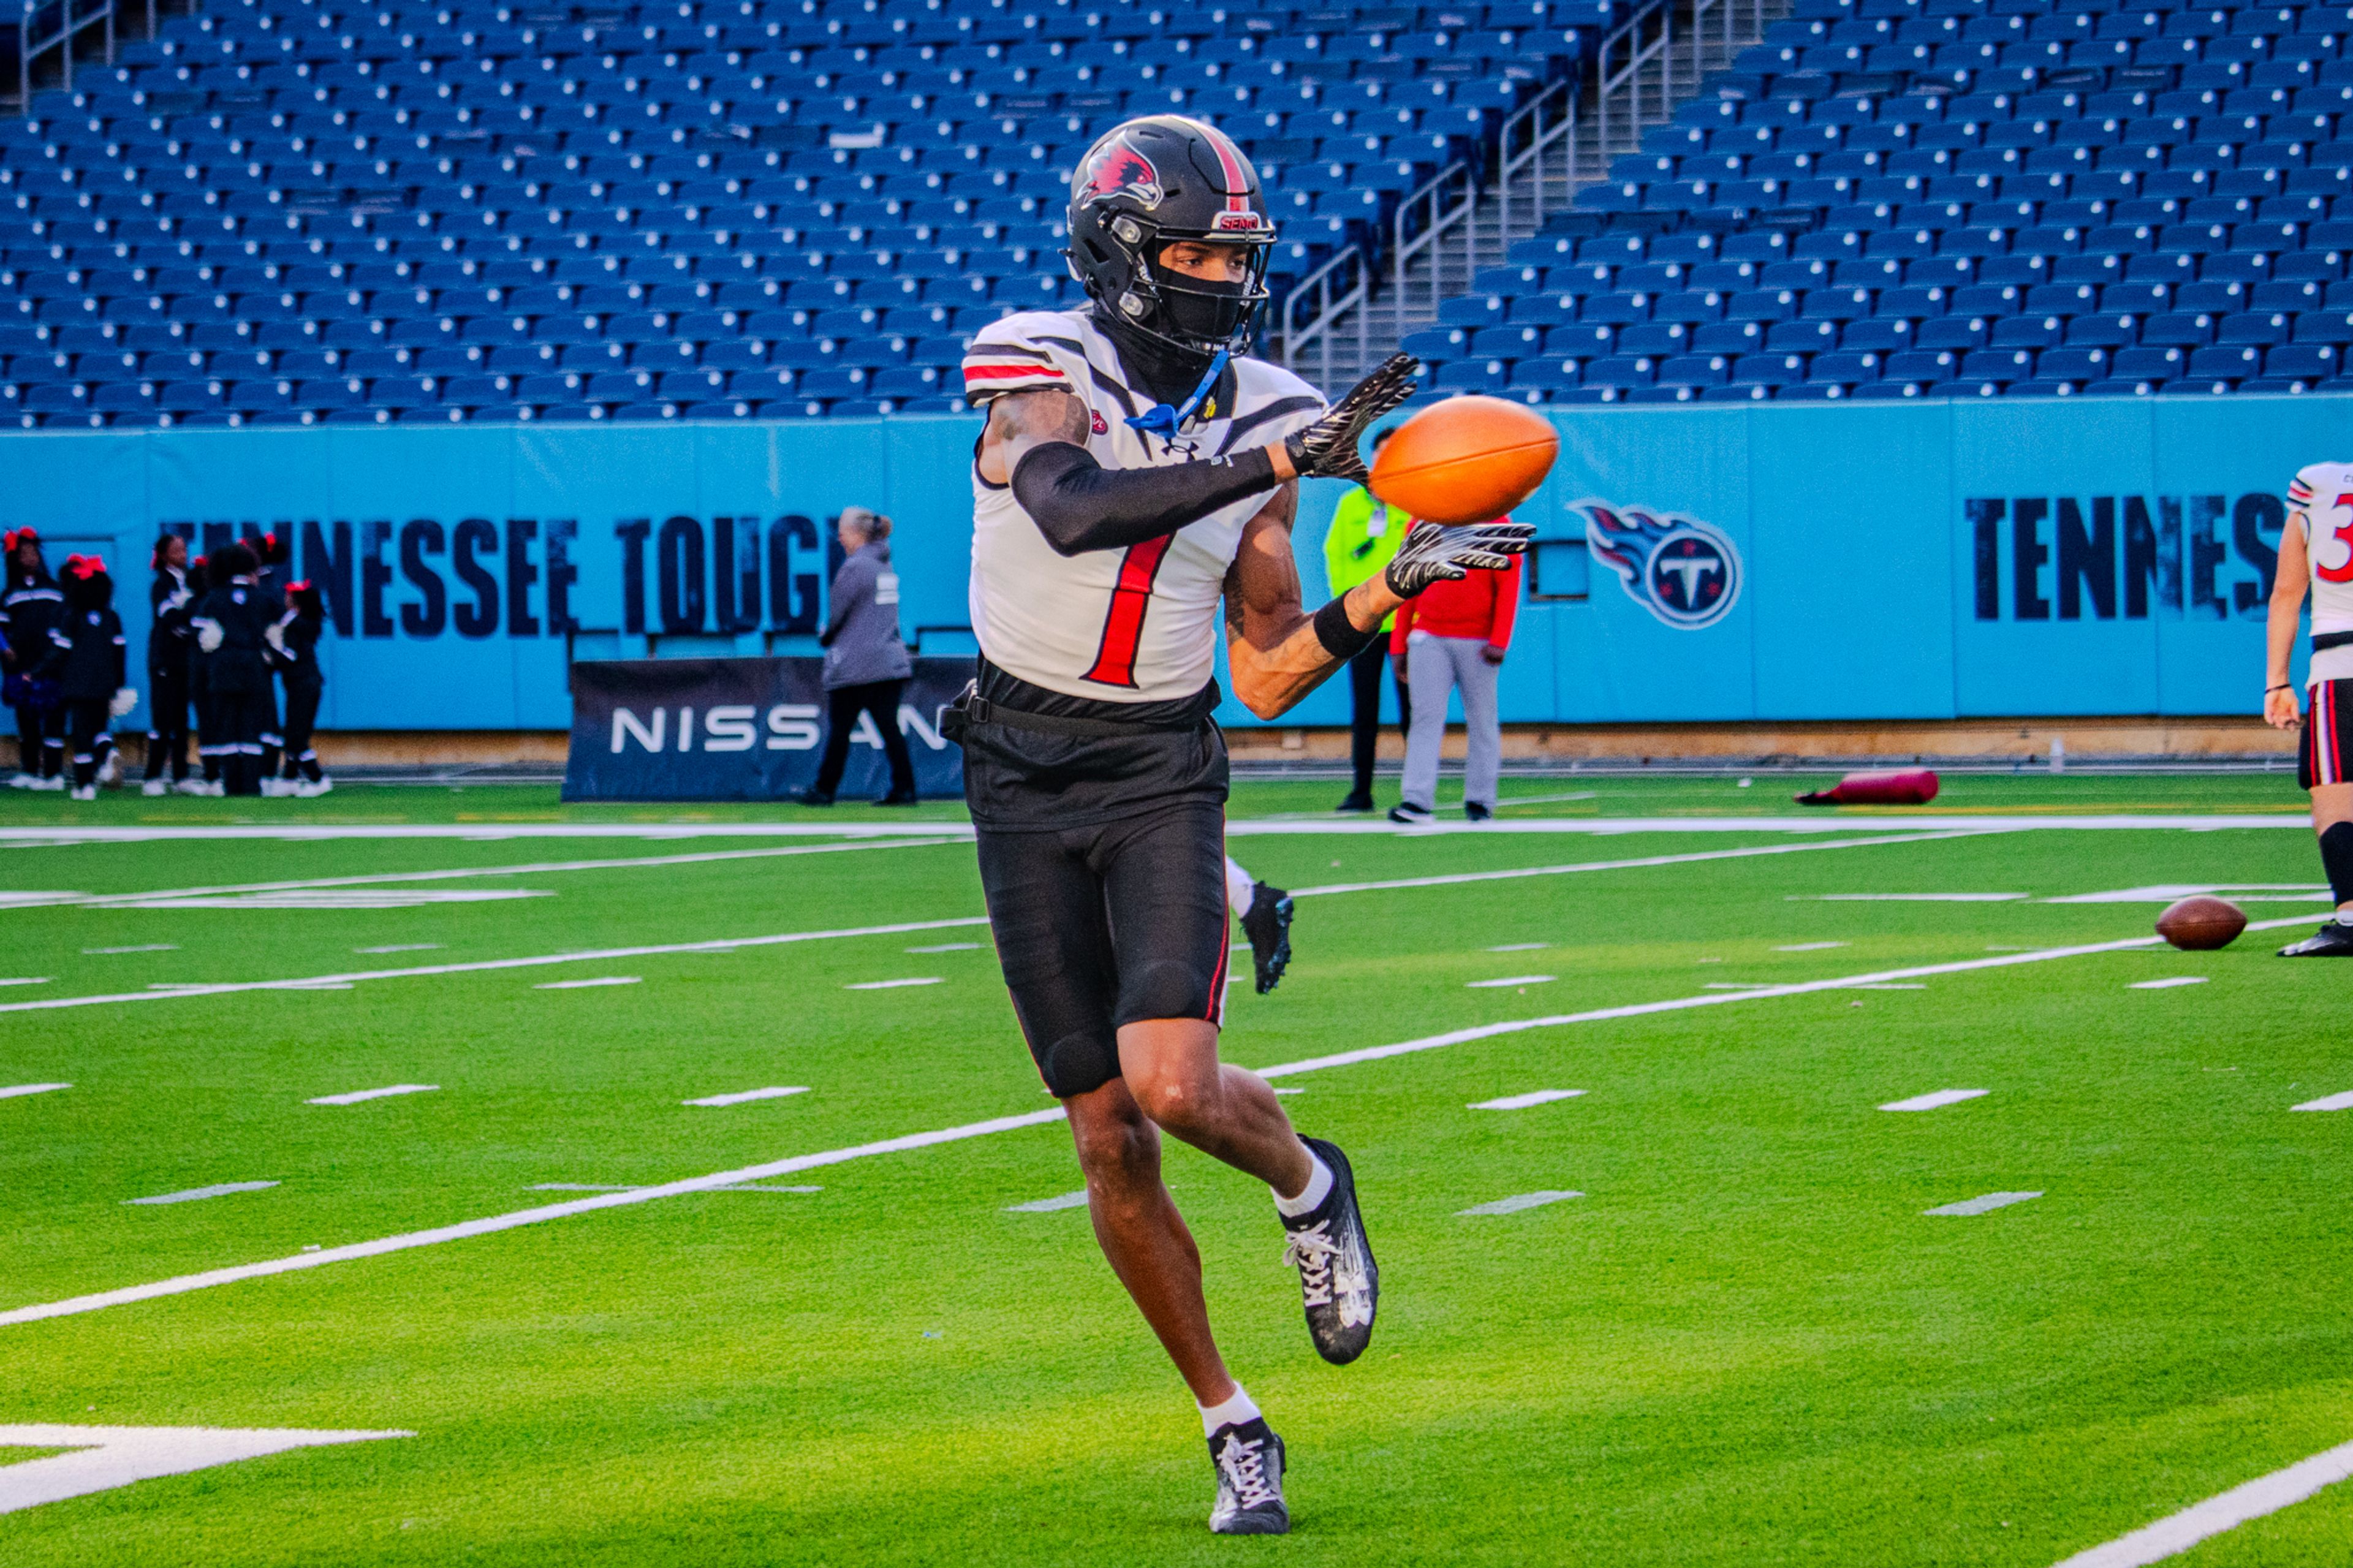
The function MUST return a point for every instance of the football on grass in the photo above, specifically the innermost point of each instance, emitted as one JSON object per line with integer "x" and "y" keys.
{"x": 1467, "y": 460}
{"x": 2201, "y": 922}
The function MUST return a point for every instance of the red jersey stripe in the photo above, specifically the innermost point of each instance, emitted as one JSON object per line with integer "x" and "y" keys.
{"x": 1002, "y": 371}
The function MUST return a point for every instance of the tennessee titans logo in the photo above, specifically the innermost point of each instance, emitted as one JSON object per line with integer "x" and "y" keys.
{"x": 1116, "y": 169}
{"x": 1681, "y": 570}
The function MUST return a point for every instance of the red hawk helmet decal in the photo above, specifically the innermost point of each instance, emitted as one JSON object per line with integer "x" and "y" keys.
{"x": 1117, "y": 169}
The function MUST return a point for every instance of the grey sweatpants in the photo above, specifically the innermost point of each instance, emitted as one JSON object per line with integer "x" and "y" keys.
{"x": 1433, "y": 666}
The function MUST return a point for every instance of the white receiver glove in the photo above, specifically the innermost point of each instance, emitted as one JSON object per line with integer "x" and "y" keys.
{"x": 125, "y": 700}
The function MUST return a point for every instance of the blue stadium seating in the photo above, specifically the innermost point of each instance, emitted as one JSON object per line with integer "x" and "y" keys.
{"x": 1959, "y": 197}
{"x": 306, "y": 211}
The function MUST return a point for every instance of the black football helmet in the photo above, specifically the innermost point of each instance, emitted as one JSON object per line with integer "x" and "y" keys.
{"x": 1146, "y": 184}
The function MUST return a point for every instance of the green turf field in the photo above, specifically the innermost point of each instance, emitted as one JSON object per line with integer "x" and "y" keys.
{"x": 1745, "y": 1343}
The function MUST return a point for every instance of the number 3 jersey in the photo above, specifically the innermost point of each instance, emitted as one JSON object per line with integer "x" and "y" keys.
{"x": 2320, "y": 503}
{"x": 1115, "y": 626}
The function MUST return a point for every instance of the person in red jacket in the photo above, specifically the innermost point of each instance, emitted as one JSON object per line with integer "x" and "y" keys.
{"x": 1454, "y": 638}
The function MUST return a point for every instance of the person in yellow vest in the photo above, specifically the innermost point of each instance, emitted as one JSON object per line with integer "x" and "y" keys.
{"x": 1365, "y": 533}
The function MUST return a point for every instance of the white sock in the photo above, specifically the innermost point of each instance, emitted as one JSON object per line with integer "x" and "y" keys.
{"x": 1241, "y": 888}
{"x": 1239, "y": 1408}
{"x": 1318, "y": 1189}
{"x": 2345, "y": 914}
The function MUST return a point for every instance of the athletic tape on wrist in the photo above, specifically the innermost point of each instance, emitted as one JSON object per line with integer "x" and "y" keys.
{"x": 1338, "y": 635}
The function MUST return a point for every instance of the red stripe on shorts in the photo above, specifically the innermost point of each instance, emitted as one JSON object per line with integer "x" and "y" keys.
{"x": 1218, "y": 979}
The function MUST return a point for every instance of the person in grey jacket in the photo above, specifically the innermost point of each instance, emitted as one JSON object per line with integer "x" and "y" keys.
{"x": 865, "y": 665}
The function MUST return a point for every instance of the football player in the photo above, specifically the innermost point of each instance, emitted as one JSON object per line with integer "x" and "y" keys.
{"x": 1136, "y": 469}
{"x": 2315, "y": 553}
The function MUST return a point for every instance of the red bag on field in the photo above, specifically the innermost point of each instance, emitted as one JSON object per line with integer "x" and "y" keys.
{"x": 1896, "y": 787}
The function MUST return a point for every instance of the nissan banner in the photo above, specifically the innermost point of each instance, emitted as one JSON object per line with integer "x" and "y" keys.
{"x": 742, "y": 728}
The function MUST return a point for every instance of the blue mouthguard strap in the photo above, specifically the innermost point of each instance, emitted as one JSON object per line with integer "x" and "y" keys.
{"x": 1163, "y": 420}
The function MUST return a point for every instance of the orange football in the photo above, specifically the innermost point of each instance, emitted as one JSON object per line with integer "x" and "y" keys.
{"x": 1467, "y": 460}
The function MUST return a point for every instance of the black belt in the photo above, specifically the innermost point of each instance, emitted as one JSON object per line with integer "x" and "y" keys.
{"x": 971, "y": 708}
{"x": 2323, "y": 641}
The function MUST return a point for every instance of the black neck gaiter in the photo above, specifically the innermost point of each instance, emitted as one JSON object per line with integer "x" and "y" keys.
{"x": 1163, "y": 371}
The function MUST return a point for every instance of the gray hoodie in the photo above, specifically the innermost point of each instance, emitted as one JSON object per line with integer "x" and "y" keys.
{"x": 861, "y": 636}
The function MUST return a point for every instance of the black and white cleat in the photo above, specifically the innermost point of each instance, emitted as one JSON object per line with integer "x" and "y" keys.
{"x": 1338, "y": 1280}
{"x": 1268, "y": 926}
{"x": 1249, "y": 1460}
{"x": 2334, "y": 940}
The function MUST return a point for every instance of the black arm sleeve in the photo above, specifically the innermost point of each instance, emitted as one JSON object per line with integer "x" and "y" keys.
{"x": 1080, "y": 505}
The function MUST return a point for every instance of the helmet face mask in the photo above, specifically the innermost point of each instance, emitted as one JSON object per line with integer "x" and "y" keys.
{"x": 1157, "y": 182}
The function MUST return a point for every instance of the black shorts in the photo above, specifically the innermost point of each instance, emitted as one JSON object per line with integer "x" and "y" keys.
{"x": 2327, "y": 749}
{"x": 1106, "y": 925}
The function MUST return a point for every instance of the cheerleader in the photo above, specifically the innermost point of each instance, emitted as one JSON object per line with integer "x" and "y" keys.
{"x": 88, "y": 664}
{"x": 232, "y": 622}
{"x": 294, "y": 649}
{"x": 29, "y": 607}
{"x": 169, "y": 599}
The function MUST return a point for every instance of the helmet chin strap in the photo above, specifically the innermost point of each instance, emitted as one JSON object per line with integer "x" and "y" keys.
{"x": 1163, "y": 420}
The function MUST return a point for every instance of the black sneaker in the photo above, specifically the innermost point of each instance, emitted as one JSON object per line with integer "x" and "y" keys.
{"x": 1475, "y": 812}
{"x": 812, "y": 797}
{"x": 1356, "y": 802}
{"x": 1249, "y": 1460}
{"x": 2334, "y": 940}
{"x": 1268, "y": 926}
{"x": 1339, "y": 1279}
{"x": 1409, "y": 814}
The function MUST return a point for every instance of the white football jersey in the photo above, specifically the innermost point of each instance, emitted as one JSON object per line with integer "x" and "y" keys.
{"x": 1119, "y": 626}
{"x": 2320, "y": 502}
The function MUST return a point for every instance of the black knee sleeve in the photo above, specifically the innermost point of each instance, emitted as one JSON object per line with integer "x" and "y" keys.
{"x": 2337, "y": 859}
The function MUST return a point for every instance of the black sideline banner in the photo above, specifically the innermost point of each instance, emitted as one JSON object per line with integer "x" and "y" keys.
{"x": 742, "y": 728}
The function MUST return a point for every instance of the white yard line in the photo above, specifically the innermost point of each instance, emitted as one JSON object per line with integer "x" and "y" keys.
{"x": 1522, "y": 1101}
{"x": 1984, "y": 1205}
{"x": 1936, "y": 1098}
{"x": 104, "y": 1458}
{"x": 746, "y": 1096}
{"x": 495, "y": 1223}
{"x": 1049, "y": 1205}
{"x": 2263, "y": 1495}
{"x": 1720, "y": 999}
{"x": 1809, "y": 946}
{"x": 1905, "y": 898}
{"x": 590, "y": 983}
{"x": 194, "y": 1195}
{"x": 1247, "y": 827}
{"x": 2166, "y": 892}
{"x": 2171, "y": 981}
{"x": 1691, "y": 858}
{"x": 1838, "y": 822}
{"x": 1514, "y": 1204}
{"x": 358, "y": 1095}
{"x": 2325, "y": 1102}
{"x": 542, "y": 868}
{"x": 489, "y": 1225}
{"x": 12, "y": 1091}
{"x": 1510, "y": 980}
{"x": 893, "y": 984}
{"x": 482, "y": 966}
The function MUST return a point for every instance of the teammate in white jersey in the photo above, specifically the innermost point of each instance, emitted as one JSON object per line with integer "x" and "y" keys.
{"x": 1137, "y": 470}
{"x": 2317, "y": 554}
